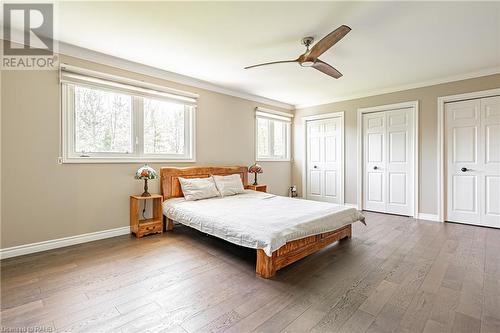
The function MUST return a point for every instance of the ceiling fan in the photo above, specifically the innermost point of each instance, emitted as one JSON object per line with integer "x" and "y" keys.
{"x": 310, "y": 57}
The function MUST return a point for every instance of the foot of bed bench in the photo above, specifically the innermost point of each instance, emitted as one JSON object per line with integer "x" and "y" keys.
{"x": 265, "y": 267}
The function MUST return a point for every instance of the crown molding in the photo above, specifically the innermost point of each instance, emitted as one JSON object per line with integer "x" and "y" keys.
{"x": 472, "y": 75}
{"x": 105, "y": 59}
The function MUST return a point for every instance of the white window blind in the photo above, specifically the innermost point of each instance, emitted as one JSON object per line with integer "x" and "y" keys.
{"x": 81, "y": 76}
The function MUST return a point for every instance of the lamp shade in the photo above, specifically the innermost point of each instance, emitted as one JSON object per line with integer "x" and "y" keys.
{"x": 255, "y": 168}
{"x": 146, "y": 172}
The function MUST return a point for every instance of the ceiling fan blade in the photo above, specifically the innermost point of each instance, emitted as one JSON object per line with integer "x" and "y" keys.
{"x": 326, "y": 68}
{"x": 326, "y": 42}
{"x": 271, "y": 63}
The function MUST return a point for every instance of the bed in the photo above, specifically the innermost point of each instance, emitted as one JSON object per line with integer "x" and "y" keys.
{"x": 282, "y": 230}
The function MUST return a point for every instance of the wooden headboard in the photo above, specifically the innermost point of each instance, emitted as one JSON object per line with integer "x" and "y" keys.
{"x": 169, "y": 177}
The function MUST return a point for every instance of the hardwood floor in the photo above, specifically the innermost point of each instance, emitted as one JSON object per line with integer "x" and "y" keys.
{"x": 395, "y": 275}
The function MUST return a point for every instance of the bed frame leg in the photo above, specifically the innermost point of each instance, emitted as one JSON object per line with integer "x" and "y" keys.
{"x": 349, "y": 232}
{"x": 169, "y": 224}
{"x": 265, "y": 267}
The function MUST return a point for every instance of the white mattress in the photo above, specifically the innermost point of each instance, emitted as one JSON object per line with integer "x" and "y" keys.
{"x": 260, "y": 220}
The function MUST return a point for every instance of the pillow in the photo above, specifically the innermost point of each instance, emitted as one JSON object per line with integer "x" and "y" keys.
{"x": 229, "y": 185}
{"x": 198, "y": 188}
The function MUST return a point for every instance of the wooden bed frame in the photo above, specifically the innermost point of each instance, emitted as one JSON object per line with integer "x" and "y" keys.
{"x": 266, "y": 266}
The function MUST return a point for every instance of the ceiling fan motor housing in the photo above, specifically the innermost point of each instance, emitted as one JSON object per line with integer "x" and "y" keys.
{"x": 307, "y": 41}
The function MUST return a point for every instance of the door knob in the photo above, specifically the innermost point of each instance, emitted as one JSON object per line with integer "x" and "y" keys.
{"x": 375, "y": 167}
{"x": 464, "y": 169}
{"x": 315, "y": 167}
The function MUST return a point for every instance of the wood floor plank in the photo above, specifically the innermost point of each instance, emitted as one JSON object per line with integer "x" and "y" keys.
{"x": 466, "y": 324}
{"x": 379, "y": 298}
{"x": 358, "y": 323}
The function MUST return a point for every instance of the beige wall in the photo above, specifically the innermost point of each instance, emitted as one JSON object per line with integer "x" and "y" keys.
{"x": 42, "y": 200}
{"x": 427, "y": 98}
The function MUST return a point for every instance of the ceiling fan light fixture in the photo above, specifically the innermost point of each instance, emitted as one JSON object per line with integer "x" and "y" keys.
{"x": 307, "y": 63}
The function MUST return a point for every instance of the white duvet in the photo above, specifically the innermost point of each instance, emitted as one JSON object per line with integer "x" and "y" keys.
{"x": 260, "y": 220}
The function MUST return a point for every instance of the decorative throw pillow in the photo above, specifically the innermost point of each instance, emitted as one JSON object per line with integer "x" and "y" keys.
{"x": 229, "y": 185}
{"x": 198, "y": 188}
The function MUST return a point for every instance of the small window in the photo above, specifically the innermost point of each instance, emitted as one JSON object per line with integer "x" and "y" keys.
{"x": 273, "y": 137}
{"x": 107, "y": 122}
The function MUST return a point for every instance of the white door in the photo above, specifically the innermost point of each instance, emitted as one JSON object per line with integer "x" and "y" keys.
{"x": 473, "y": 161}
{"x": 388, "y": 147}
{"x": 324, "y": 159}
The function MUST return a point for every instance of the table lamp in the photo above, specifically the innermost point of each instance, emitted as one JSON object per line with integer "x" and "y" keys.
{"x": 146, "y": 172}
{"x": 255, "y": 169}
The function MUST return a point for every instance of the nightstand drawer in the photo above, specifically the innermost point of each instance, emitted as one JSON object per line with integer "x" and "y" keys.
{"x": 148, "y": 228}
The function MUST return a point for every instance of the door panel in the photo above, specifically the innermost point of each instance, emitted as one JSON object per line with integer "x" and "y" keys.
{"x": 464, "y": 194}
{"x": 473, "y": 161}
{"x": 397, "y": 147}
{"x": 492, "y": 196}
{"x": 492, "y": 145}
{"x": 331, "y": 184}
{"x": 464, "y": 111}
{"x": 397, "y": 119}
{"x": 315, "y": 182}
{"x": 315, "y": 149}
{"x": 397, "y": 188}
{"x": 331, "y": 154}
{"x": 464, "y": 144}
{"x": 375, "y": 147}
{"x": 324, "y": 160}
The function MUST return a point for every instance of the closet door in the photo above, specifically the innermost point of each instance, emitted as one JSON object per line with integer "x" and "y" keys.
{"x": 473, "y": 161}
{"x": 324, "y": 160}
{"x": 388, "y": 178}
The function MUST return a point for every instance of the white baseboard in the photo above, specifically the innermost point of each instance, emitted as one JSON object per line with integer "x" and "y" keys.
{"x": 20, "y": 250}
{"x": 428, "y": 217}
{"x": 351, "y": 205}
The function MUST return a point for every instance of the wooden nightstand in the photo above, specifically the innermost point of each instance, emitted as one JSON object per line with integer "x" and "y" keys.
{"x": 260, "y": 187}
{"x": 148, "y": 226}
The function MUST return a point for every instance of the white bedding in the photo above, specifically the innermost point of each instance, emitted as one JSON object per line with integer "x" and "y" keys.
{"x": 260, "y": 220}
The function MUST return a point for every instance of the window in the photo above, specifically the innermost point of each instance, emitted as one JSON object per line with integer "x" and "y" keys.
{"x": 273, "y": 135}
{"x": 104, "y": 121}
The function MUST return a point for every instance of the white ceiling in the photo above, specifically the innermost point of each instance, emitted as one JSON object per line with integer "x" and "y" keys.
{"x": 392, "y": 44}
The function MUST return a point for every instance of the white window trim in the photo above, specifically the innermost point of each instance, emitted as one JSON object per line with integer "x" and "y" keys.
{"x": 273, "y": 115}
{"x": 68, "y": 130}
